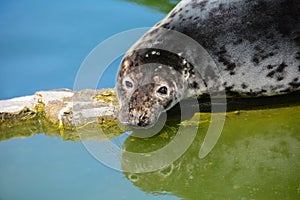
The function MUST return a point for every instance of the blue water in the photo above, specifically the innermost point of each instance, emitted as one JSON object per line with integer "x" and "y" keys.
{"x": 42, "y": 45}
{"x": 42, "y": 167}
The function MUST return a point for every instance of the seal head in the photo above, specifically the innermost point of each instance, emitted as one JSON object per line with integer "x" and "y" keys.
{"x": 149, "y": 82}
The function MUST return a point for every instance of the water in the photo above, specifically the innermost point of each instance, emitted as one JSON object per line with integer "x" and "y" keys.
{"x": 42, "y": 167}
{"x": 43, "y": 43}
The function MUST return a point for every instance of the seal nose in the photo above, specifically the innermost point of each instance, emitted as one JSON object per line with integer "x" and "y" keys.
{"x": 135, "y": 119}
{"x": 142, "y": 124}
{"x": 136, "y": 115}
{"x": 138, "y": 119}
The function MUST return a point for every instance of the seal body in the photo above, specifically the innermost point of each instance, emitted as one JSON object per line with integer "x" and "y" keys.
{"x": 255, "y": 45}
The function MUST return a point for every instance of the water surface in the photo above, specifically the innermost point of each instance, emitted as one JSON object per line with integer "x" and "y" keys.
{"x": 42, "y": 45}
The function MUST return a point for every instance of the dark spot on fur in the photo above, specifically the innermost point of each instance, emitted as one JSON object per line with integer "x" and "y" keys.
{"x": 221, "y": 6}
{"x": 280, "y": 78}
{"x": 281, "y": 67}
{"x": 298, "y": 56}
{"x": 223, "y": 58}
{"x": 191, "y": 71}
{"x": 173, "y": 13}
{"x": 185, "y": 71}
{"x": 295, "y": 79}
{"x": 251, "y": 93}
{"x": 195, "y": 85}
{"x": 244, "y": 86}
{"x": 229, "y": 88}
{"x": 277, "y": 73}
{"x": 267, "y": 55}
{"x": 255, "y": 60}
{"x": 271, "y": 74}
{"x": 167, "y": 25}
{"x": 231, "y": 66}
{"x": 288, "y": 90}
{"x": 299, "y": 68}
{"x": 270, "y": 66}
{"x": 294, "y": 84}
{"x": 202, "y": 4}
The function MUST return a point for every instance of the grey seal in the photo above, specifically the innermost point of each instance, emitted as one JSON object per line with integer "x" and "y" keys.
{"x": 254, "y": 43}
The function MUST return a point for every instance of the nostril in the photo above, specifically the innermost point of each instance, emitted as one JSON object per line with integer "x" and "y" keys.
{"x": 136, "y": 115}
{"x": 142, "y": 124}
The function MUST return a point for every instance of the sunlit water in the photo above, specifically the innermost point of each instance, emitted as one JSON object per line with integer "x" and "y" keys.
{"x": 42, "y": 45}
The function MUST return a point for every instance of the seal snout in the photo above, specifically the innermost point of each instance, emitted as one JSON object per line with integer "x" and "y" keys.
{"x": 139, "y": 119}
{"x": 136, "y": 118}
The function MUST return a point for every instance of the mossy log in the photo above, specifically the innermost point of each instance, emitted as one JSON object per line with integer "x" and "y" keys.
{"x": 63, "y": 113}
{"x": 64, "y": 108}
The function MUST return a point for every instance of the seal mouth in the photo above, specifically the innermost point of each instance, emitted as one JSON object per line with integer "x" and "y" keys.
{"x": 140, "y": 124}
{"x": 148, "y": 130}
{"x": 141, "y": 120}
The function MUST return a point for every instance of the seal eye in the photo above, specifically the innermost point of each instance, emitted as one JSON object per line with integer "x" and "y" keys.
{"x": 162, "y": 90}
{"x": 128, "y": 84}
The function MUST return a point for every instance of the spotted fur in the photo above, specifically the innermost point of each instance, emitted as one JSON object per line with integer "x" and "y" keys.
{"x": 254, "y": 43}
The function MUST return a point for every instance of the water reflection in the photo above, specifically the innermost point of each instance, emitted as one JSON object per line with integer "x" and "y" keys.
{"x": 257, "y": 156}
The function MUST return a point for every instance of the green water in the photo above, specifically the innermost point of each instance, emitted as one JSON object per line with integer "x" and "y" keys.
{"x": 256, "y": 157}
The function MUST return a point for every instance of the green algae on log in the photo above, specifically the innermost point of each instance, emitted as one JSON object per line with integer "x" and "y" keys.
{"x": 63, "y": 113}
{"x": 64, "y": 108}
